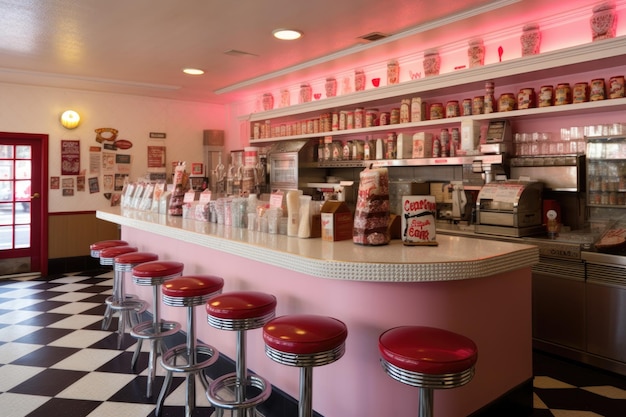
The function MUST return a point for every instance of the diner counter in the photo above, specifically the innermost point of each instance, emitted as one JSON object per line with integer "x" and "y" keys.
{"x": 475, "y": 287}
{"x": 455, "y": 257}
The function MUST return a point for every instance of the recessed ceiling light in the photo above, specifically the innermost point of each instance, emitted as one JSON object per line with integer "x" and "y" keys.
{"x": 287, "y": 34}
{"x": 193, "y": 71}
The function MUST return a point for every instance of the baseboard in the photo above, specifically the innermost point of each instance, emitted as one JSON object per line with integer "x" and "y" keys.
{"x": 72, "y": 264}
{"x": 518, "y": 402}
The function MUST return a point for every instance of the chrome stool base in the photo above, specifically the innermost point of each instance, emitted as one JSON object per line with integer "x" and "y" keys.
{"x": 222, "y": 393}
{"x": 169, "y": 361}
{"x": 146, "y": 331}
{"x": 130, "y": 311}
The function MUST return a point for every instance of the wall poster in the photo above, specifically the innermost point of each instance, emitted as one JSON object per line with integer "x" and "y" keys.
{"x": 70, "y": 157}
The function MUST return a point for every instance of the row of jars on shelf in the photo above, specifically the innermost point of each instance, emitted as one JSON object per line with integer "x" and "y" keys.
{"x": 415, "y": 109}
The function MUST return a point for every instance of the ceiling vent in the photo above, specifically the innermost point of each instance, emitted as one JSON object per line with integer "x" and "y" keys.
{"x": 373, "y": 37}
{"x": 235, "y": 52}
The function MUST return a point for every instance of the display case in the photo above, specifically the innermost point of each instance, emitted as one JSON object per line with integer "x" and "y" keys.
{"x": 606, "y": 172}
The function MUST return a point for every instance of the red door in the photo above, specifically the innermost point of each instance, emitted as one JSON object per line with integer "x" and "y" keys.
{"x": 23, "y": 203}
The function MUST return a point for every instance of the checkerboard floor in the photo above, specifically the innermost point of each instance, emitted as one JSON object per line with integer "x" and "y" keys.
{"x": 56, "y": 361}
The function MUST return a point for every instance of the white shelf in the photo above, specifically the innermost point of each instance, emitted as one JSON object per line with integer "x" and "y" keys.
{"x": 573, "y": 60}
{"x": 537, "y": 112}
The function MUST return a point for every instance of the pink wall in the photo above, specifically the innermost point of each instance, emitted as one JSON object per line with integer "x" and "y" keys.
{"x": 494, "y": 311}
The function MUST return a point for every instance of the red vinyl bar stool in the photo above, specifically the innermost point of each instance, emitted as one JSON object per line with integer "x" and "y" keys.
{"x": 240, "y": 311}
{"x": 95, "y": 248}
{"x": 305, "y": 341}
{"x": 128, "y": 306}
{"x": 154, "y": 273}
{"x": 191, "y": 358}
{"x": 427, "y": 358}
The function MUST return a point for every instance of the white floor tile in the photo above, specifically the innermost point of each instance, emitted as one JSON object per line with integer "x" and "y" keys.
{"x": 70, "y": 279}
{"x": 13, "y": 375}
{"x": 10, "y": 333}
{"x": 78, "y": 321}
{"x": 546, "y": 382}
{"x": 97, "y": 386}
{"x": 21, "y": 284}
{"x": 10, "y": 352}
{"x": 20, "y": 293}
{"x": 177, "y": 397}
{"x": 608, "y": 391}
{"x": 80, "y": 338}
{"x": 18, "y": 303}
{"x": 71, "y": 297}
{"x": 87, "y": 360}
{"x": 19, "y": 405}
{"x": 71, "y": 287}
{"x": 122, "y": 409}
{"x": 18, "y": 316}
{"x": 74, "y": 308}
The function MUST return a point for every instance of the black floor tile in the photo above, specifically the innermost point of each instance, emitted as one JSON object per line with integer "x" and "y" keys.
{"x": 45, "y": 305}
{"x": 63, "y": 407}
{"x": 48, "y": 382}
{"x": 45, "y": 356}
{"x": 44, "y": 336}
{"x": 121, "y": 364}
{"x": 44, "y": 319}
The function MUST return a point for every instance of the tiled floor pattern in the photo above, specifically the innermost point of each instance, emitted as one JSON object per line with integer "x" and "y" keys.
{"x": 56, "y": 361}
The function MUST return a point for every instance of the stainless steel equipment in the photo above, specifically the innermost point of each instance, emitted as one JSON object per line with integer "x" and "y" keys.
{"x": 556, "y": 172}
{"x": 287, "y": 163}
{"x": 510, "y": 208}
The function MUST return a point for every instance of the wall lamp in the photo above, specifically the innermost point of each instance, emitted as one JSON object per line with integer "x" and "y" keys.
{"x": 70, "y": 119}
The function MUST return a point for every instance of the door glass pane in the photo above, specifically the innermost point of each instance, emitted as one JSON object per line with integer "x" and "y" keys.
{"x": 22, "y": 169}
{"x": 23, "y": 152}
{"x": 6, "y": 235}
{"x": 22, "y": 236}
{"x": 6, "y": 151}
{"x": 6, "y": 170}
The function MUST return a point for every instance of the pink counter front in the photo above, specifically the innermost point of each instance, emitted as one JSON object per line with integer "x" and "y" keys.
{"x": 479, "y": 288}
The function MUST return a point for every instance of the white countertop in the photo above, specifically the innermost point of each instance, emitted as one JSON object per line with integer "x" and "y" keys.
{"x": 456, "y": 257}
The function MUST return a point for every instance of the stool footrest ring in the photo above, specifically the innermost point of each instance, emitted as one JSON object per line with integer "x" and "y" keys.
{"x": 129, "y": 304}
{"x": 170, "y": 358}
{"x": 231, "y": 382}
{"x": 146, "y": 330}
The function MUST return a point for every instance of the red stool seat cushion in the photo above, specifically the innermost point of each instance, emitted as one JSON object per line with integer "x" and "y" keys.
{"x": 156, "y": 269}
{"x": 192, "y": 286}
{"x": 304, "y": 334}
{"x": 113, "y": 252}
{"x": 427, "y": 350}
{"x": 103, "y": 244}
{"x": 241, "y": 305}
{"x": 134, "y": 258}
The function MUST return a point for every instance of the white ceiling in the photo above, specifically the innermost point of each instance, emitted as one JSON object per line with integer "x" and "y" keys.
{"x": 141, "y": 46}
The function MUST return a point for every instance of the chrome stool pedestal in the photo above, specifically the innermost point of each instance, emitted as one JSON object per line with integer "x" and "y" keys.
{"x": 128, "y": 306}
{"x": 154, "y": 273}
{"x": 240, "y": 311}
{"x": 191, "y": 358}
{"x": 305, "y": 341}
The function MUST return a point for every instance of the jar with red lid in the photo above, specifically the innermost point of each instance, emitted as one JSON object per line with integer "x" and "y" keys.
{"x": 616, "y": 87}
{"x": 596, "y": 90}
{"x": 436, "y": 111}
{"x": 526, "y": 98}
{"x": 546, "y": 96}
{"x": 506, "y": 102}
{"x": 452, "y": 108}
{"x": 580, "y": 93}
{"x": 562, "y": 94}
